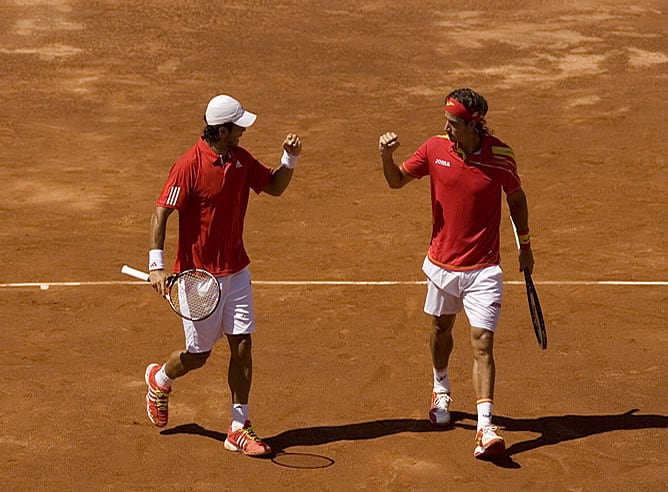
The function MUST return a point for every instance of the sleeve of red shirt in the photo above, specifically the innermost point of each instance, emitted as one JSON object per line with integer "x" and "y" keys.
{"x": 178, "y": 185}
{"x": 259, "y": 175}
{"x": 417, "y": 165}
{"x": 513, "y": 182}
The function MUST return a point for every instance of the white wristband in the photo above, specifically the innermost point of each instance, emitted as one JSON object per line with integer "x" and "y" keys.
{"x": 156, "y": 260}
{"x": 288, "y": 160}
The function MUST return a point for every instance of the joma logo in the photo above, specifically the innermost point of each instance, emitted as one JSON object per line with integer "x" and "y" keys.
{"x": 441, "y": 162}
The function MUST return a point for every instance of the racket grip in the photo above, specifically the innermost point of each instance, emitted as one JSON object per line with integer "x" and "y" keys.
{"x": 127, "y": 270}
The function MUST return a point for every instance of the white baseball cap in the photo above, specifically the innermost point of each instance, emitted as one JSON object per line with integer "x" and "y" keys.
{"x": 225, "y": 109}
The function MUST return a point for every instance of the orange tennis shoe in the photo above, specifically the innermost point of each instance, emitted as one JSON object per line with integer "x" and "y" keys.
{"x": 246, "y": 441}
{"x": 157, "y": 397}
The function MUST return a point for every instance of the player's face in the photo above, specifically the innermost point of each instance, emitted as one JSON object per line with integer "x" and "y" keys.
{"x": 457, "y": 129}
{"x": 233, "y": 135}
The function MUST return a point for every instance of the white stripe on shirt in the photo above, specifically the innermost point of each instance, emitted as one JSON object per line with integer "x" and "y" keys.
{"x": 173, "y": 195}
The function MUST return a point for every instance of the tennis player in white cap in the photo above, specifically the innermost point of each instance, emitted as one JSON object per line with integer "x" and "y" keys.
{"x": 209, "y": 186}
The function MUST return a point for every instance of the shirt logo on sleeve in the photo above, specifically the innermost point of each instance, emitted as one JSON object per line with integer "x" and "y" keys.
{"x": 173, "y": 196}
{"x": 442, "y": 162}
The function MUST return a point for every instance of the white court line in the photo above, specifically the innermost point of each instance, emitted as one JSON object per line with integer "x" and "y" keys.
{"x": 46, "y": 285}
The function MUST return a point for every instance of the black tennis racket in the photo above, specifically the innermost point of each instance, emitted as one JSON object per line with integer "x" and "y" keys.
{"x": 534, "y": 304}
{"x": 536, "y": 312}
{"x": 192, "y": 294}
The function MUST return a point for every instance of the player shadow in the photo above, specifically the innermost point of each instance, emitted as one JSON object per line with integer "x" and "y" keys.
{"x": 314, "y": 436}
{"x": 556, "y": 429}
{"x": 551, "y": 430}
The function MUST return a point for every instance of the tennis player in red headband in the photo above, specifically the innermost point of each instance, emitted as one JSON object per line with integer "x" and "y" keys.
{"x": 470, "y": 171}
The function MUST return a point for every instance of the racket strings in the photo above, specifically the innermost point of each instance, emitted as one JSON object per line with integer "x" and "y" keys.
{"x": 195, "y": 295}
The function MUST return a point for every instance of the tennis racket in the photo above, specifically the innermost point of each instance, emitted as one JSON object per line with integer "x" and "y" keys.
{"x": 192, "y": 294}
{"x": 534, "y": 304}
{"x": 535, "y": 310}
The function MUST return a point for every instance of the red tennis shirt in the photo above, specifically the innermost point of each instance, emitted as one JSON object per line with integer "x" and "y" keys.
{"x": 466, "y": 199}
{"x": 211, "y": 193}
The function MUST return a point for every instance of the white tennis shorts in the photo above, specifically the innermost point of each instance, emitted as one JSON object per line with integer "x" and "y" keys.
{"x": 477, "y": 292}
{"x": 235, "y": 314}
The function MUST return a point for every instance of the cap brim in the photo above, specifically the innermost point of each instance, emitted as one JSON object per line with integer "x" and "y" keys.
{"x": 246, "y": 120}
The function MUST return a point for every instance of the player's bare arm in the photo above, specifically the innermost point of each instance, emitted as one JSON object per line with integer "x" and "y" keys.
{"x": 158, "y": 229}
{"x": 280, "y": 178}
{"x": 387, "y": 144}
{"x": 519, "y": 213}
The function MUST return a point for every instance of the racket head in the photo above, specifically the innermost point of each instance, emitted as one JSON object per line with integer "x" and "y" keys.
{"x": 193, "y": 294}
{"x": 536, "y": 311}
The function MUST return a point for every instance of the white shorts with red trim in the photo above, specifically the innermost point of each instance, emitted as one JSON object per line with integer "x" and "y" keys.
{"x": 477, "y": 292}
{"x": 235, "y": 314}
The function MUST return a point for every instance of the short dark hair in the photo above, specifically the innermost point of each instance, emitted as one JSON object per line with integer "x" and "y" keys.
{"x": 211, "y": 133}
{"x": 475, "y": 103}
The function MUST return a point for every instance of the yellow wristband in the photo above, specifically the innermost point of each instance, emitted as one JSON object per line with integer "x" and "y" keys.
{"x": 524, "y": 239}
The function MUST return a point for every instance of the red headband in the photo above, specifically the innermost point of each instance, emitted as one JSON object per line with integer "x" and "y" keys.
{"x": 457, "y": 109}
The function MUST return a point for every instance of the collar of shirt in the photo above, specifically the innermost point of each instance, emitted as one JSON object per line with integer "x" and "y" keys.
{"x": 210, "y": 155}
{"x": 484, "y": 147}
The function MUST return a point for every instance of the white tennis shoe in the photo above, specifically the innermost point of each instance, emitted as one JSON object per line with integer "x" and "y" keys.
{"x": 488, "y": 444}
{"x": 439, "y": 413}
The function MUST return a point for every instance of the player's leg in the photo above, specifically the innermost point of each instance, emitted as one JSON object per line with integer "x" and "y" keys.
{"x": 441, "y": 341}
{"x": 484, "y": 368}
{"x": 441, "y": 344}
{"x": 442, "y": 303}
{"x": 240, "y": 369}
{"x": 200, "y": 337}
{"x": 489, "y": 444}
{"x": 181, "y": 363}
{"x": 482, "y": 303}
{"x": 239, "y": 324}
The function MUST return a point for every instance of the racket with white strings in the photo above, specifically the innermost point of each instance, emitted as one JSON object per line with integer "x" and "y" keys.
{"x": 192, "y": 294}
{"x": 534, "y": 304}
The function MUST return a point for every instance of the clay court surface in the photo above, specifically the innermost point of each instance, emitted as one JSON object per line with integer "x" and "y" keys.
{"x": 99, "y": 98}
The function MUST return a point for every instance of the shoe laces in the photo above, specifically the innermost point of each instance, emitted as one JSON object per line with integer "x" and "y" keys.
{"x": 161, "y": 399}
{"x": 442, "y": 400}
{"x": 488, "y": 431}
{"x": 489, "y": 428}
{"x": 248, "y": 431}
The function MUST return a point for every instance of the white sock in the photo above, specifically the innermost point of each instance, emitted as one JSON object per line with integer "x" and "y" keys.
{"x": 162, "y": 379}
{"x": 441, "y": 381}
{"x": 239, "y": 415}
{"x": 485, "y": 410}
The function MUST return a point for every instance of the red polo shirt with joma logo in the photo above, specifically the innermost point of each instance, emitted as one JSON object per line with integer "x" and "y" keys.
{"x": 466, "y": 199}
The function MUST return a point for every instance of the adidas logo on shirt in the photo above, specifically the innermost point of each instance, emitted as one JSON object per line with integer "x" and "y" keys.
{"x": 238, "y": 165}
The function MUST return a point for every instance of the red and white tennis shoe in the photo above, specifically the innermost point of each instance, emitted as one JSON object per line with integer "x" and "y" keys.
{"x": 439, "y": 413}
{"x": 157, "y": 397}
{"x": 488, "y": 444}
{"x": 245, "y": 441}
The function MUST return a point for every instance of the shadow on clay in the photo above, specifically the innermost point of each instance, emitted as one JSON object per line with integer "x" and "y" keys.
{"x": 552, "y": 430}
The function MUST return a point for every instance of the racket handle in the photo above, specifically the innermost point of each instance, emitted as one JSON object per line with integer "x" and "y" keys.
{"x": 134, "y": 273}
